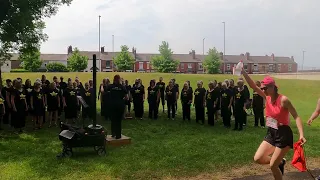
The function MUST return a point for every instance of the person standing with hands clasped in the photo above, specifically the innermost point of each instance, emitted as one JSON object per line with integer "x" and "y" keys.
{"x": 186, "y": 101}
{"x": 279, "y": 138}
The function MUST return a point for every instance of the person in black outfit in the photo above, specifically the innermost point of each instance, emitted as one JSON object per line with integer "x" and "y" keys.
{"x": 138, "y": 96}
{"x": 171, "y": 97}
{"x": 118, "y": 95}
{"x": 37, "y": 104}
{"x": 258, "y": 107}
{"x": 2, "y": 110}
{"x": 232, "y": 87}
{"x": 87, "y": 95}
{"x": 6, "y": 93}
{"x": 70, "y": 103}
{"x": 247, "y": 92}
{"x": 153, "y": 99}
{"x": 61, "y": 86}
{"x": 19, "y": 106}
{"x": 128, "y": 102}
{"x": 28, "y": 89}
{"x": 218, "y": 108}
{"x": 177, "y": 89}
{"x": 102, "y": 96}
{"x": 226, "y": 104}
{"x": 199, "y": 102}
{"x": 162, "y": 87}
{"x": 186, "y": 101}
{"x": 239, "y": 105}
{"x": 211, "y": 102}
{"x": 78, "y": 87}
{"x": 53, "y": 103}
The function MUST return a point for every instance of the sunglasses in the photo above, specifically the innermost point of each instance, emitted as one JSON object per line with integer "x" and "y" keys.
{"x": 264, "y": 88}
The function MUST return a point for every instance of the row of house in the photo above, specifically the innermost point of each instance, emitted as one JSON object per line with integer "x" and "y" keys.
{"x": 189, "y": 62}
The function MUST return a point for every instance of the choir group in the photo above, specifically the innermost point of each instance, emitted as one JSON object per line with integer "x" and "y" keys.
{"x": 18, "y": 100}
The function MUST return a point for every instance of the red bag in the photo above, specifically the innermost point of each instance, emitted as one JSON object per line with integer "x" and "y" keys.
{"x": 299, "y": 160}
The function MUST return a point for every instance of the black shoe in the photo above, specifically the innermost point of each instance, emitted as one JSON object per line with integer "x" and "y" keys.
{"x": 281, "y": 166}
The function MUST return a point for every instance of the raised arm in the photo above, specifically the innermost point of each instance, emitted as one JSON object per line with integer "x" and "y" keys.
{"x": 315, "y": 114}
{"x": 252, "y": 84}
{"x": 288, "y": 105}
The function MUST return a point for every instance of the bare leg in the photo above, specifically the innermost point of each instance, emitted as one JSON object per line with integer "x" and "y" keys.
{"x": 263, "y": 153}
{"x": 50, "y": 118}
{"x": 276, "y": 159}
{"x": 55, "y": 114}
{"x": 40, "y": 121}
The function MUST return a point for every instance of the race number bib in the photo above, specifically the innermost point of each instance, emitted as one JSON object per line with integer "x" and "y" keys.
{"x": 272, "y": 123}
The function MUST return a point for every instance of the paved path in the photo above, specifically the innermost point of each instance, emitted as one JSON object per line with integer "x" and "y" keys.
{"x": 287, "y": 176}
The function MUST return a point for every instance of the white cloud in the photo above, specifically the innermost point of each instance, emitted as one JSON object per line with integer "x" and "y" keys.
{"x": 259, "y": 26}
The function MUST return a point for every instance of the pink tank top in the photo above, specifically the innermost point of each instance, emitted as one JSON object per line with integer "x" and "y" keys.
{"x": 277, "y": 112}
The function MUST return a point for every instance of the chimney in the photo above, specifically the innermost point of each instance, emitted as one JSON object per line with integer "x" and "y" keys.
{"x": 292, "y": 58}
{"x": 102, "y": 49}
{"x": 70, "y": 49}
{"x": 221, "y": 54}
{"x": 272, "y": 57}
{"x": 193, "y": 54}
{"x": 247, "y": 55}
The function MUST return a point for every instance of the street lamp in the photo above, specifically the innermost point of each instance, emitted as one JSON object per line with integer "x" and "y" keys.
{"x": 224, "y": 46}
{"x": 99, "y": 46}
{"x": 203, "y": 46}
{"x": 303, "y": 59}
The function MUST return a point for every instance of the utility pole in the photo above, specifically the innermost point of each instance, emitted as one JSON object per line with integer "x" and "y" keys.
{"x": 224, "y": 46}
{"x": 303, "y": 59}
{"x": 203, "y": 46}
{"x": 112, "y": 43}
{"x": 99, "y": 46}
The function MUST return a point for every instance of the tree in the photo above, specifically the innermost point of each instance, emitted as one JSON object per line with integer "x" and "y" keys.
{"x": 124, "y": 61}
{"x": 57, "y": 67}
{"x": 77, "y": 62}
{"x": 164, "y": 62}
{"x": 21, "y": 25}
{"x": 212, "y": 61}
{"x": 31, "y": 60}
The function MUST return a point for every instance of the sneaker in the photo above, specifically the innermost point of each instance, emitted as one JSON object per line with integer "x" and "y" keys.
{"x": 281, "y": 166}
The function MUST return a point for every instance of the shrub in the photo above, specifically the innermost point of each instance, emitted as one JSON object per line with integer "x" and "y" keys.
{"x": 57, "y": 67}
{"x": 19, "y": 70}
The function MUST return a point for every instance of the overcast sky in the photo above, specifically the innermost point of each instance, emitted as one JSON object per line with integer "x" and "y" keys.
{"x": 282, "y": 27}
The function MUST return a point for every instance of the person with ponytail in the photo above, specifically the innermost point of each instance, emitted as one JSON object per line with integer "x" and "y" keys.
{"x": 279, "y": 138}
{"x": 118, "y": 95}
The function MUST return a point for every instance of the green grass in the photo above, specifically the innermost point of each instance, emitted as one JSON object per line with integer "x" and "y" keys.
{"x": 159, "y": 148}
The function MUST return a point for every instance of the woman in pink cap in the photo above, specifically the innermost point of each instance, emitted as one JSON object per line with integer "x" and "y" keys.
{"x": 279, "y": 138}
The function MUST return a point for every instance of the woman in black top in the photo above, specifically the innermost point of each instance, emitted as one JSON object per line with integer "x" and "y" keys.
{"x": 138, "y": 96}
{"x": 70, "y": 103}
{"x": 162, "y": 87}
{"x": 19, "y": 106}
{"x": 199, "y": 100}
{"x": 171, "y": 97}
{"x": 101, "y": 95}
{"x": 239, "y": 105}
{"x": 118, "y": 95}
{"x": 128, "y": 102}
{"x": 186, "y": 101}
{"x": 218, "y": 108}
{"x": 2, "y": 109}
{"x": 53, "y": 103}
{"x": 28, "y": 89}
{"x": 5, "y": 91}
{"x": 226, "y": 104}
{"x": 258, "y": 107}
{"x": 37, "y": 104}
{"x": 87, "y": 95}
{"x": 153, "y": 99}
{"x": 211, "y": 102}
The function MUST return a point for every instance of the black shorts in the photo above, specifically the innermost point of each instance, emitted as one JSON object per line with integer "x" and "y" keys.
{"x": 281, "y": 137}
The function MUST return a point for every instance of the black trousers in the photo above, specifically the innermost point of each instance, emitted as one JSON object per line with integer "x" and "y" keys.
{"x": 153, "y": 110}
{"x": 116, "y": 116}
{"x": 226, "y": 116}
{"x": 171, "y": 109}
{"x": 186, "y": 111}
{"x": 129, "y": 106}
{"x": 162, "y": 99}
{"x": 239, "y": 116}
{"x": 258, "y": 115}
{"x": 199, "y": 113}
{"x": 210, "y": 111}
{"x": 138, "y": 108}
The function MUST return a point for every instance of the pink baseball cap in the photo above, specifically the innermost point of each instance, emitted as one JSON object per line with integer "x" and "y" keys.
{"x": 268, "y": 81}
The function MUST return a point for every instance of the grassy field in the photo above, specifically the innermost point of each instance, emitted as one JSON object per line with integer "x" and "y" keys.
{"x": 160, "y": 149}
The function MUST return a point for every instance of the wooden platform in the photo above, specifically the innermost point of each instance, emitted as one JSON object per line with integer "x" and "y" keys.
{"x": 118, "y": 142}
